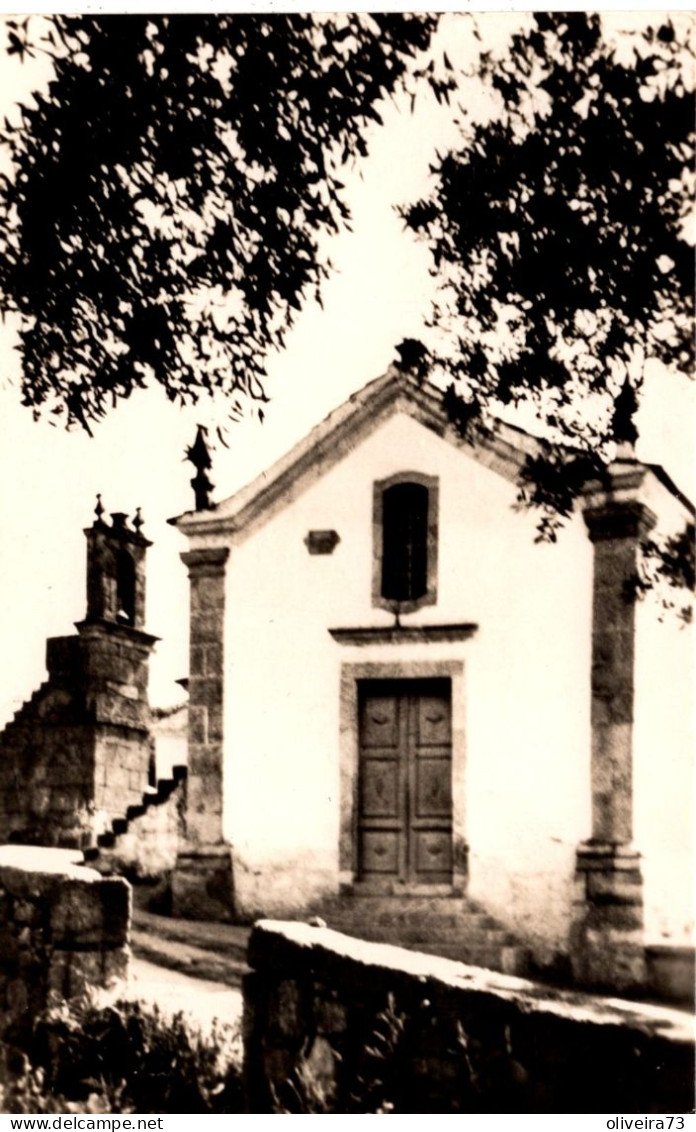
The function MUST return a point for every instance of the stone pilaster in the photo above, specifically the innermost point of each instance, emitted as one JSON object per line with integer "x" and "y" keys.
{"x": 202, "y": 881}
{"x": 607, "y": 934}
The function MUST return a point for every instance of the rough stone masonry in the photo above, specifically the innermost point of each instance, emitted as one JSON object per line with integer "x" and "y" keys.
{"x": 63, "y": 928}
{"x": 446, "y": 1037}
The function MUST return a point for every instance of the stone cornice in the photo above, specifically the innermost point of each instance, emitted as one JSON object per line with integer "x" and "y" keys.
{"x": 624, "y": 481}
{"x": 403, "y": 634}
{"x": 336, "y": 436}
{"x": 503, "y": 450}
{"x": 619, "y": 520}
{"x": 121, "y": 534}
{"x": 94, "y": 628}
{"x": 206, "y": 560}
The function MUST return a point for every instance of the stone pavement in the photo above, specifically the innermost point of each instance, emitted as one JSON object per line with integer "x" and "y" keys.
{"x": 202, "y": 949}
{"x": 204, "y": 1002}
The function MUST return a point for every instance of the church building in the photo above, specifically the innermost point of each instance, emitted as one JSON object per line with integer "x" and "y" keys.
{"x": 410, "y": 717}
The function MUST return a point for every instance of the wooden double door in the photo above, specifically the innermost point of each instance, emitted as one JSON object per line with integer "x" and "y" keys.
{"x": 405, "y": 782}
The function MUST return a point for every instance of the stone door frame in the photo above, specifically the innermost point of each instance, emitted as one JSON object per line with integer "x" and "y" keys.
{"x": 349, "y": 754}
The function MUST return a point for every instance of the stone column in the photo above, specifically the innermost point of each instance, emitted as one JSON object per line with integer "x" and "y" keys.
{"x": 202, "y": 881}
{"x": 607, "y": 937}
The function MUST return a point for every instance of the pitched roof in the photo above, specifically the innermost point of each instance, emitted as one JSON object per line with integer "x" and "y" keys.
{"x": 343, "y": 429}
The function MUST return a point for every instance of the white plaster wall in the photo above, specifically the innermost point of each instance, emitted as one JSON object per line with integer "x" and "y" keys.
{"x": 170, "y": 750}
{"x": 663, "y": 755}
{"x": 527, "y": 681}
{"x": 170, "y": 734}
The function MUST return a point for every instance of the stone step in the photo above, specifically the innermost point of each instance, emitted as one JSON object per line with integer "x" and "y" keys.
{"x": 494, "y": 949}
{"x": 447, "y": 925}
{"x": 395, "y": 913}
{"x": 373, "y": 905}
{"x": 29, "y": 704}
{"x": 390, "y": 901}
{"x": 24, "y": 714}
{"x": 165, "y": 789}
{"x": 510, "y": 960}
{"x": 416, "y": 934}
{"x": 414, "y": 927}
{"x": 16, "y": 729}
{"x": 459, "y": 918}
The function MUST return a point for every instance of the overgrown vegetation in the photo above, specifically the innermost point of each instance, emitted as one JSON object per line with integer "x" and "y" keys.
{"x": 128, "y": 1057}
{"x": 408, "y": 1062}
{"x": 411, "y": 1057}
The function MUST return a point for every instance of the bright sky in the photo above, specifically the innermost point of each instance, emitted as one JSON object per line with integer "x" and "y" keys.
{"x": 49, "y": 478}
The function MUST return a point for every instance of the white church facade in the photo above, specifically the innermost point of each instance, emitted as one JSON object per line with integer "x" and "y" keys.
{"x": 403, "y": 706}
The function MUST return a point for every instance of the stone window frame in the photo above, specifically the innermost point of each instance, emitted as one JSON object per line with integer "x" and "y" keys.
{"x": 432, "y": 484}
{"x": 349, "y": 745}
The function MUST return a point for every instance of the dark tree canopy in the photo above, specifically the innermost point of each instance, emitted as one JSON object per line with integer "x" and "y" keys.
{"x": 171, "y": 189}
{"x": 557, "y": 232}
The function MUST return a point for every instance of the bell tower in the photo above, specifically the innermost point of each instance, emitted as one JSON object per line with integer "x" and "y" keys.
{"x": 116, "y": 570}
{"x": 77, "y": 755}
{"x": 115, "y": 649}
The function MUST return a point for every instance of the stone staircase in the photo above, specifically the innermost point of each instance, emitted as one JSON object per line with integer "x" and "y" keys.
{"x": 142, "y": 829}
{"x": 25, "y": 714}
{"x": 29, "y": 784}
{"x": 452, "y": 926}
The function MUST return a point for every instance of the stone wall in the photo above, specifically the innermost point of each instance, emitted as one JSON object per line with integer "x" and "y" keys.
{"x": 78, "y": 753}
{"x": 122, "y": 764}
{"x": 369, "y": 1024}
{"x": 46, "y": 776}
{"x": 169, "y": 731}
{"x": 63, "y": 928}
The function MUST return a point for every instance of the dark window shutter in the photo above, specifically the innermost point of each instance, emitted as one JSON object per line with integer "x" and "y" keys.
{"x": 405, "y": 542}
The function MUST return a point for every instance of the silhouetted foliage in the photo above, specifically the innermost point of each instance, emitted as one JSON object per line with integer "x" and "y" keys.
{"x": 668, "y": 565}
{"x": 170, "y": 195}
{"x": 171, "y": 190}
{"x": 557, "y": 231}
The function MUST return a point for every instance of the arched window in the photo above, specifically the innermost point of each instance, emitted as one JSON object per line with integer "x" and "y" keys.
{"x": 405, "y": 542}
{"x": 405, "y": 508}
{"x": 125, "y": 588}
